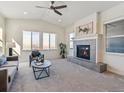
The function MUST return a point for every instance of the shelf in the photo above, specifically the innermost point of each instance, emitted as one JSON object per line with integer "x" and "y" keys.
{"x": 96, "y": 36}
{"x": 112, "y": 53}
{"x": 115, "y": 36}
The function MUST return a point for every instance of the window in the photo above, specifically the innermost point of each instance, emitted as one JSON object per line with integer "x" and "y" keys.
{"x": 49, "y": 41}
{"x": 45, "y": 40}
{"x": 1, "y": 37}
{"x": 26, "y": 40}
{"x": 30, "y": 40}
{"x": 1, "y": 34}
{"x": 52, "y": 41}
{"x": 71, "y": 36}
{"x": 35, "y": 40}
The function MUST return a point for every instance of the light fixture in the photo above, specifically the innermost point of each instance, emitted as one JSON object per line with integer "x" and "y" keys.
{"x": 25, "y": 13}
{"x": 59, "y": 20}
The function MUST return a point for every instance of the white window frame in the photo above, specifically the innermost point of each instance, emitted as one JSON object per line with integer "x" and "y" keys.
{"x": 71, "y": 40}
{"x": 1, "y": 39}
{"x": 31, "y": 40}
{"x": 50, "y": 42}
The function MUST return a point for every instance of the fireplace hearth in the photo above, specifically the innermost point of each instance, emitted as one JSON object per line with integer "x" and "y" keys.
{"x": 83, "y": 51}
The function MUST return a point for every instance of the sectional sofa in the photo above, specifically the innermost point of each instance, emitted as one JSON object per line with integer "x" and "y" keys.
{"x": 8, "y": 72}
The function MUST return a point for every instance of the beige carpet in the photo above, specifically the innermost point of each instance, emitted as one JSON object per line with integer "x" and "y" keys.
{"x": 66, "y": 76}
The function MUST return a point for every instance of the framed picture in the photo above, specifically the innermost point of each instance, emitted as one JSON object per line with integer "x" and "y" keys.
{"x": 85, "y": 29}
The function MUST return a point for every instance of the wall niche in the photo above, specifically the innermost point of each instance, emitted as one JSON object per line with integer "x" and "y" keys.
{"x": 115, "y": 37}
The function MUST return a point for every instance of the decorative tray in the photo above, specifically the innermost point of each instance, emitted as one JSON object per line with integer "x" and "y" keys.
{"x": 38, "y": 63}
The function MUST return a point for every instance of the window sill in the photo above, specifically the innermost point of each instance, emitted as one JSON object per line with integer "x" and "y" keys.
{"x": 112, "y": 53}
{"x": 26, "y": 50}
{"x": 49, "y": 49}
{"x": 40, "y": 50}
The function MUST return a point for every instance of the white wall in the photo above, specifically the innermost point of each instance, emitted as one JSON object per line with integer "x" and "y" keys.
{"x": 2, "y": 25}
{"x": 14, "y": 28}
{"x": 69, "y": 30}
{"x": 115, "y": 61}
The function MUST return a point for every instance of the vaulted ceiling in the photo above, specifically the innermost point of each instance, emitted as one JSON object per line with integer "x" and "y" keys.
{"x": 75, "y": 10}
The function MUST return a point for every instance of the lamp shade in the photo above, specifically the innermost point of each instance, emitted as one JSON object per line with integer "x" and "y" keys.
{"x": 10, "y": 44}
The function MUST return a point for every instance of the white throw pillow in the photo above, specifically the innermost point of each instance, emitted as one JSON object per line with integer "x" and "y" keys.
{"x": 3, "y": 60}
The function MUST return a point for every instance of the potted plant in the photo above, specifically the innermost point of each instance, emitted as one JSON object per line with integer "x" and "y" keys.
{"x": 62, "y": 50}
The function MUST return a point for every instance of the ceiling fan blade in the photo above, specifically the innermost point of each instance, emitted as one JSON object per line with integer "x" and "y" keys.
{"x": 41, "y": 7}
{"x": 59, "y": 7}
{"x": 57, "y": 12}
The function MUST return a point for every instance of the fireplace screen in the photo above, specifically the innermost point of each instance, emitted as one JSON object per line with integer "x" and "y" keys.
{"x": 83, "y": 51}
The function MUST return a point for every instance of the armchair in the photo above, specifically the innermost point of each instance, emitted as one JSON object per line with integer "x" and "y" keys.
{"x": 35, "y": 55}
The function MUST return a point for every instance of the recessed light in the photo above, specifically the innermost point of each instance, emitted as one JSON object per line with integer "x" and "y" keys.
{"x": 59, "y": 20}
{"x": 25, "y": 13}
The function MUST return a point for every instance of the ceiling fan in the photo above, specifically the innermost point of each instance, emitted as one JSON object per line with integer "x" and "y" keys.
{"x": 54, "y": 8}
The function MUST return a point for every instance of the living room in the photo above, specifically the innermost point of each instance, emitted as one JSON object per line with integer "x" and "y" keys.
{"x": 95, "y": 29}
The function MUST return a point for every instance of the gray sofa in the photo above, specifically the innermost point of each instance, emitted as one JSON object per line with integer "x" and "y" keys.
{"x": 7, "y": 73}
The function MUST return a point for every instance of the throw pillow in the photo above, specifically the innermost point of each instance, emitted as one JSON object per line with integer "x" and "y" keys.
{"x": 35, "y": 53}
{"x": 3, "y": 60}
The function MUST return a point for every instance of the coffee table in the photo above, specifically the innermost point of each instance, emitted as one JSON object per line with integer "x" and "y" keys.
{"x": 41, "y": 71}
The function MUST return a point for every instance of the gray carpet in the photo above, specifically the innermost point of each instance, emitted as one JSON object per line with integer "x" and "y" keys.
{"x": 66, "y": 76}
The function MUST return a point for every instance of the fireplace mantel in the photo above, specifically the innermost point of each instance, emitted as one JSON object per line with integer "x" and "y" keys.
{"x": 86, "y": 37}
{"x": 95, "y": 42}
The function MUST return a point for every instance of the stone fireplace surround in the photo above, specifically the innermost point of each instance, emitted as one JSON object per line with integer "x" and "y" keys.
{"x": 95, "y": 42}
{"x": 92, "y": 44}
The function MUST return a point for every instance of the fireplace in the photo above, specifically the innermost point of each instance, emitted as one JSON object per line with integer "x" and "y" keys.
{"x": 83, "y": 51}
